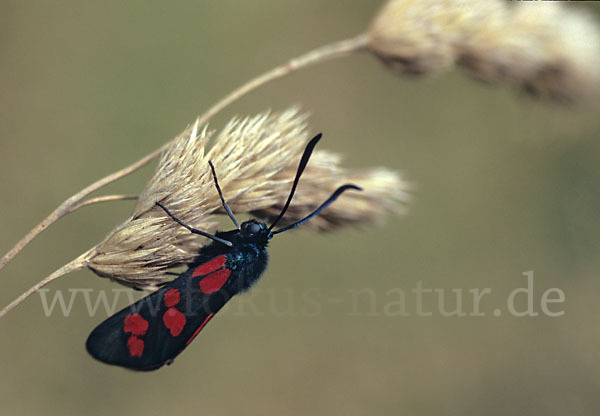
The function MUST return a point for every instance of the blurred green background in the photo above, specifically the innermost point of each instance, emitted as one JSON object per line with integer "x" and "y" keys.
{"x": 502, "y": 185}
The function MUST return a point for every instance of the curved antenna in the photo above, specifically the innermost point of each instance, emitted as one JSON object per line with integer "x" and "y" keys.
{"x": 324, "y": 205}
{"x": 193, "y": 230}
{"x": 303, "y": 162}
{"x": 227, "y": 209}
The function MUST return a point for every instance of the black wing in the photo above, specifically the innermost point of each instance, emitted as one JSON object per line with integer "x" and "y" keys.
{"x": 153, "y": 331}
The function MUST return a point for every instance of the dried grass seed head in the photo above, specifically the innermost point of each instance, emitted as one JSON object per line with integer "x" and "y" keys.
{"x": 547, "y": 48}
{"x": 255, "y": 160}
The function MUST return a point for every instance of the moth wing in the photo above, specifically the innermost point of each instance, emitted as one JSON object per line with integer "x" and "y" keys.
{"x": 154, "y": 330}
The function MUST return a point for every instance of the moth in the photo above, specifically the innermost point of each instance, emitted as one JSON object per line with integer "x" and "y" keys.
{"x": 151, "y": 332}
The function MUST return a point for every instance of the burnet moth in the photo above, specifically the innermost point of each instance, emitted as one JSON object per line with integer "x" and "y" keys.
{"x": 151, "y": 332}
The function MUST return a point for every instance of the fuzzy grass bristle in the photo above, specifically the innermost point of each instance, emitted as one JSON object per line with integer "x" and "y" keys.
{"x": 255, "y": 160}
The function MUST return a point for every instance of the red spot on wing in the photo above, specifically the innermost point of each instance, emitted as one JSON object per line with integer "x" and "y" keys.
{"x": 174, "y": 321}
{"x": 171, "y": 298}
{"x": 197, "y": 331}
{"x": 135, "y": 324}
{"x": 210, "y": 266}
{"x": 135, "y": 346}
{"x": 214, "y": 281}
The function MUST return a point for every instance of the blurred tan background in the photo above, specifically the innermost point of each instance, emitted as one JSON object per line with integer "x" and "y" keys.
{"x": 502, "y": 185}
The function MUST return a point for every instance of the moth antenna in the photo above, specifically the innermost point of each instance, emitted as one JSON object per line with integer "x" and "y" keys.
{"x": 227, "y": 209}
{"x": 303, "y": 162}
{"x": 324, "y": 205}
{"x": 194, "y": 230}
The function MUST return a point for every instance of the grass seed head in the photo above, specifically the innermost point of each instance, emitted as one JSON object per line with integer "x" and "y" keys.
{"x": 255, "y": 160}
{"x": 548, "y": 49}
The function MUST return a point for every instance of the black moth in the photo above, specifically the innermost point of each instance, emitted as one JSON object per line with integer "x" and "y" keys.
{"x": 153, "y": 331}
